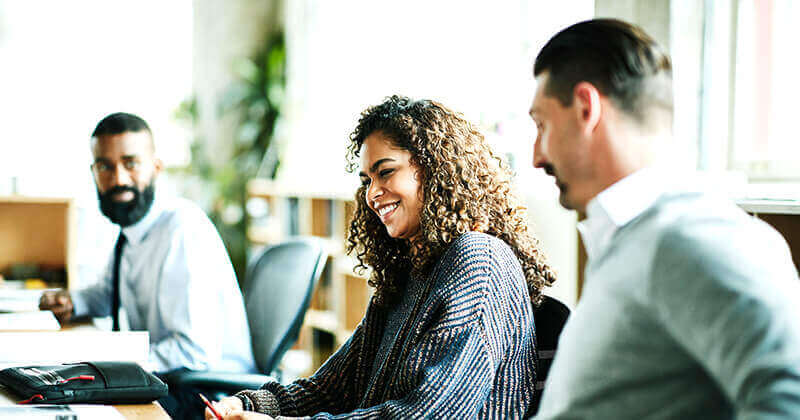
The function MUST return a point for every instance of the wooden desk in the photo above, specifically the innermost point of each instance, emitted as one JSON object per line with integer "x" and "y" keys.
{"x": 142, "y": 411}
{"x": 129, "y": 411}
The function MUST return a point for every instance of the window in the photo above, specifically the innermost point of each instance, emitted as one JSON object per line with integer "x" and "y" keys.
{"x": 765, "y": 143}
{"x": 747, "y": 88}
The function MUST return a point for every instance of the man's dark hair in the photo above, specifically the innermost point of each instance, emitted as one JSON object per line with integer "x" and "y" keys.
{"x": 120, "y": 122}
{"x": 618, "y": 58}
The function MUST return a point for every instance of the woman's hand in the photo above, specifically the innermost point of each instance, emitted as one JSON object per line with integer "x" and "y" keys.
{"x": 225, "y": 407}
{"x": 246, "y": 415}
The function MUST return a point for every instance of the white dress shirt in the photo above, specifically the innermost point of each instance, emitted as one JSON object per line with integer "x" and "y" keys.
{"x": 177, "y": 282}
{"x": 617, "y": 205}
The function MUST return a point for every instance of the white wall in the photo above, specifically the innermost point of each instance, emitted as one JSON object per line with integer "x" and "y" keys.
{"x": 225, "y": 32}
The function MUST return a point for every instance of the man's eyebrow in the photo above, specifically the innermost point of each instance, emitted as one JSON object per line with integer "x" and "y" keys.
{"x": 375, "y": 165}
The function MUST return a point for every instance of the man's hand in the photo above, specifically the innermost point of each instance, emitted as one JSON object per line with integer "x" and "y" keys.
{"x": 59, "y": 302}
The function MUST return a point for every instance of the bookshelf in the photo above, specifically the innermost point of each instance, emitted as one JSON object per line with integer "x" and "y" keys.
{"x": 341, "y": 296}
{"x": 37, "y": 240}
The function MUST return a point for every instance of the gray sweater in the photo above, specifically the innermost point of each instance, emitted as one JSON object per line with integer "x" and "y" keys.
{"x": 690, "y": 313}
{"x": 459, "y": 344}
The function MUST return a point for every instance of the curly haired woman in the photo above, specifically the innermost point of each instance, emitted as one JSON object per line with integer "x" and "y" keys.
{"x": 449, "y": 331}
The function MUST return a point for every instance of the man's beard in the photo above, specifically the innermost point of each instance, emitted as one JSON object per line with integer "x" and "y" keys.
{"x": 128, "y": 212}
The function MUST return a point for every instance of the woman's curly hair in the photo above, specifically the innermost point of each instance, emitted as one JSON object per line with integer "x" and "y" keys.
{"x": 464, "y": 187}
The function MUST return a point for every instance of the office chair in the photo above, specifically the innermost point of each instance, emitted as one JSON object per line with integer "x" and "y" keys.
{"x": 277, "y": 291}
{"x": 549, "y": 319}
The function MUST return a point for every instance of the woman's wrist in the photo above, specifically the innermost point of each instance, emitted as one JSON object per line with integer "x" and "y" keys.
{"x": 259, "y": 401}
{"x": 247, "y": 405}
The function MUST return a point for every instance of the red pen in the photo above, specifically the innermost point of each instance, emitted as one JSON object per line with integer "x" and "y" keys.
{"x": 208, "y": 404}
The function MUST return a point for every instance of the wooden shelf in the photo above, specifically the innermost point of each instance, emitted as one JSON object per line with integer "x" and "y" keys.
{"x": 322, "y": 320}
{"x": 344, "y": 266}
{"x": 38, "y": 231}
{"x": 341, "y": 296}
{"x": 269, "y": 188}
{"x": 770, "y": 206}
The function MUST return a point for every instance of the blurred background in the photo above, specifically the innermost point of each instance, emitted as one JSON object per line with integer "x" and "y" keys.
{"x": 251, "y": 103}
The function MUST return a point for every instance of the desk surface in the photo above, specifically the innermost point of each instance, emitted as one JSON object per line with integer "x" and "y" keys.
{"x": 142, "y": 411}
{"x": 129, "y": 411}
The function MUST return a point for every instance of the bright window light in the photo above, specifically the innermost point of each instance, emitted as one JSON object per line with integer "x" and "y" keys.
{"x": 65, "y": 65}
{"x": 765, "y": 143}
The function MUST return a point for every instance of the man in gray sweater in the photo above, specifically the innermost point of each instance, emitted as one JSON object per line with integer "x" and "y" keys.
{"x": 690, "y": 306}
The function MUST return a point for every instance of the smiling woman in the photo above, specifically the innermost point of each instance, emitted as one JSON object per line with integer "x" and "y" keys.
{"x": 392, "y": 187}
{"x": 449, "y": 331}
{"x": 463, "y": 187}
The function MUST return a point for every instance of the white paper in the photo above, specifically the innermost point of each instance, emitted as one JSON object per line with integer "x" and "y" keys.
{"x": 32, "y": 348}
{"x": 17, "y": 300}
{"x": 60, "y": 412}
{"x": 29, "y": 321}
{"x": 99, "y": 412}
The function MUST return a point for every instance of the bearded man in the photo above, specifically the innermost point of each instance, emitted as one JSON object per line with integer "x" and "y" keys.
{"x": 169, "y": 273}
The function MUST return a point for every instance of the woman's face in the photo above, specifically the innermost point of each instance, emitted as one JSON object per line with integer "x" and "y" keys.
{"x": 392, "y": 186}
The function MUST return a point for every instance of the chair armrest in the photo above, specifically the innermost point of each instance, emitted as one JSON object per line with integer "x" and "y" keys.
{"x": 218, "y": 381}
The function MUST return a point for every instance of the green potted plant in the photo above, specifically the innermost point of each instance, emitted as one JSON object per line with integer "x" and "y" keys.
{"x": 255, "y": 100}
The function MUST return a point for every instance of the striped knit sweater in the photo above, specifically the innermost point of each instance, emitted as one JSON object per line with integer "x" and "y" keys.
{"x": 460, "y": 344}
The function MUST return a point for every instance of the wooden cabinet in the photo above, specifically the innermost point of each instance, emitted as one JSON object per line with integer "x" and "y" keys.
{"x": 340, "y": 299}
{"x": 37, "y": 239}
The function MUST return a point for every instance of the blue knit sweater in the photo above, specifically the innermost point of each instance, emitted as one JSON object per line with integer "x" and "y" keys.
{"x": 459, "y": 344}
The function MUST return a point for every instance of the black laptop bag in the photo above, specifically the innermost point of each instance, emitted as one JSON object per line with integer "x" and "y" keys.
{"x": 86, "y": 382}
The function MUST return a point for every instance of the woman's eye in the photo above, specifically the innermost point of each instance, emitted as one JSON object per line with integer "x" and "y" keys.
{"x": 385, "y": 172}
{"x": 365, "y": 181}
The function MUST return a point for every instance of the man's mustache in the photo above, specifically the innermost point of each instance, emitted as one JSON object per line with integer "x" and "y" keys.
{"x": 119, "y": 189}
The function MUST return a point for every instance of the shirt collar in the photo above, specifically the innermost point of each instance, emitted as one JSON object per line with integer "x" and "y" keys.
{"x": 137, "y": 231}
{"x": 617, "y": 205}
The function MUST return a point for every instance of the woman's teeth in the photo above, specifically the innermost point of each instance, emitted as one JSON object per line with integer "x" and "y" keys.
{"x": 386, "y": 209}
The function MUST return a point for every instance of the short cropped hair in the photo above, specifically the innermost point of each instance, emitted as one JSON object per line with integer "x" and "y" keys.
{"x": 120, "y": 122}
{"x": 620, "y": 59}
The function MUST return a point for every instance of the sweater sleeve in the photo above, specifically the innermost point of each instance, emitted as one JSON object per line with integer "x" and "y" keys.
{"x": 331, "y": 386}
{"x": 727, "y": 293}
{"x": 456, "y": 376}
{"x": 448, "y": 374}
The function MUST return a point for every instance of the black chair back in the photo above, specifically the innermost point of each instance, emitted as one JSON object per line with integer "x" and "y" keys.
{"x": 549, "y": 319}
{"x": 277, "y": 293}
